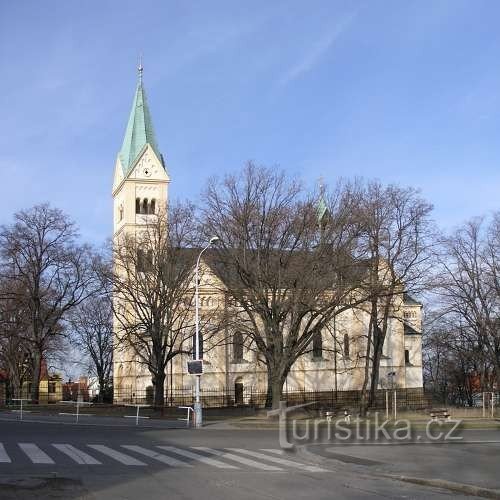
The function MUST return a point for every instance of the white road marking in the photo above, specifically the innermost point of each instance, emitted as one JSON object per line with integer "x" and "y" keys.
{"x": 236, "y": 458}
{"x": 35, "y": 454}
{"x": 174, "y": 462}
{"x": 276, "y": 460}
{"x": 4, "y": 458}
{"x": 118, "y": 456}
{"x": 77, "y": 455}
{"x": 197, "y": 457}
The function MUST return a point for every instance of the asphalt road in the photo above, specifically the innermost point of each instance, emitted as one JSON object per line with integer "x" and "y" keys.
{"x": 59, "y": 461}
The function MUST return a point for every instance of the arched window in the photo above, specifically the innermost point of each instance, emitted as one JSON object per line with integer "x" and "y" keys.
{"x": 137, "y": 205}
{"x": 346, "y": 345}
{"x": 152, "y": 206}
{"x": 121, "y": 212}
{"x": 144, "y": 206}
{"x": 317, "y": 345}
{"x": 237, "y": 347}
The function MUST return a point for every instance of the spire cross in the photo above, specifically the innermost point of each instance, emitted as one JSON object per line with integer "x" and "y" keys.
{"x": 321, "y": 186}
{"x": 140, "y": 68}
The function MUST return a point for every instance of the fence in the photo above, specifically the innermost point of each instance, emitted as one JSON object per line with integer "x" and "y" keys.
{"x": 221, "y": 397}
{"x": 225, "y": 397}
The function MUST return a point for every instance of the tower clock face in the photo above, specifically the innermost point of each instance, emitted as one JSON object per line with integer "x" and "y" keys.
{"x": 146, "y": 171}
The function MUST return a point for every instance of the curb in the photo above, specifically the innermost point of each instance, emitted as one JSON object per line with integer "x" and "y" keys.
{"x": 468, "y": 489}
{"x": 93, "y": 424}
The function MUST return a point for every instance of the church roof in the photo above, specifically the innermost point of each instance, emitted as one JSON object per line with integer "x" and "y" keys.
{"x": 409, "y": 330}
{"x": 139, "y": 130}
{"x": 409, "y": 300}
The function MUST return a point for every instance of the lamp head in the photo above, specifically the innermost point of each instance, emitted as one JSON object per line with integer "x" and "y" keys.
{"x": 214, "y": 239}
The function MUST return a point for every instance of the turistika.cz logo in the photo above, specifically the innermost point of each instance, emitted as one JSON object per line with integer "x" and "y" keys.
{"x": 294, "y": 431}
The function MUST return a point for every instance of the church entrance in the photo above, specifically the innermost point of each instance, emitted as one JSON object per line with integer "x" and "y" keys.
{"x": 238, "y": 391}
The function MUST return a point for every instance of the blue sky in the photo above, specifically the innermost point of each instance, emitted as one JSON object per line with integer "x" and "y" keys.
{"x": 403, "y": 91}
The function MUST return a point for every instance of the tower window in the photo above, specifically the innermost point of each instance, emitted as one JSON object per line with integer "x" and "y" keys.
{"x": 144, "y": 261}
{"x": 144, "y": 206}
{"x": 317, "y": 345}
{"x": 152, "y": 206}
{"x": 137, "y": 205}
{"x": 121, "y": 212}
{"x": 140, "y": 265}
{"x": 346, "y": 346}
{"x": 407, "y": 357}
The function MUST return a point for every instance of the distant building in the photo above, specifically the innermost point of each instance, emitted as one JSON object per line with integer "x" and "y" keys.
{"x": 50, "y": 386}
{"x": 76, "y": 391}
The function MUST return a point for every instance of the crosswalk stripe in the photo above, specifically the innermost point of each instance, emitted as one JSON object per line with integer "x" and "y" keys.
{"x": 236, "y": 458}
{"x": 174, "y": 462}
{"x": 4, "y": 458}
{"x": 77, "y": 455}
{"x": 276, "y": 460}
{"x": 198, "y": 457}
{"x": 35, "y": 454}
{"x": 117, "y": 455}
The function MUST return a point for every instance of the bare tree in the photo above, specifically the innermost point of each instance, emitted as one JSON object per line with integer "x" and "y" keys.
{"x": 454, "y": 365}
{"x": 395, "y": 242}
{"x": 14, "y": 350}
{"x": 287, "y": 271}
{"x": 470, "y": 293}
{"x": 92, "y": 333}
{"x": 153, "y": 287}
{"x": 50, "y": 274}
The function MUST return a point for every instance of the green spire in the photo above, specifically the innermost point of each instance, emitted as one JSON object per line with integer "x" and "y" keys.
{"x": 322, "y": 211}
{"x": 139, "y": 129}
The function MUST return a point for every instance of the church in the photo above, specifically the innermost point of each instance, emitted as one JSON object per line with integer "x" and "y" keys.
{"x": 335, "y": 362}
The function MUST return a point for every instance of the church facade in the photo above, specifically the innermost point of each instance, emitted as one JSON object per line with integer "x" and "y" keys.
{"x": 335, "y": 361}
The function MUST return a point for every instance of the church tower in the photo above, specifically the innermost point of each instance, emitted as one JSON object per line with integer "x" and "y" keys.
{"x": 140, "y": 188}
{"x": 141, "y": 180}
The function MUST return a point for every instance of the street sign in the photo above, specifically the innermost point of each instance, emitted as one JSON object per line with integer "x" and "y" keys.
{"x": 195, "y": 367}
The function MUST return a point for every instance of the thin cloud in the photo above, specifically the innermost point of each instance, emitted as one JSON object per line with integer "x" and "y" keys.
{"x": 317, "y": 51}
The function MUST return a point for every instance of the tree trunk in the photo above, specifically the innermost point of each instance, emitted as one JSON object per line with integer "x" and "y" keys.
{"x": 14, "y": 380}
{"x": 159, "y": 389}
{"x": 275, "y": 383}
{"x": 35, "y": 379}
{"x": 102, "y": 386}
{"x": 363, "y": 402}
{"x": 377, "y": 355}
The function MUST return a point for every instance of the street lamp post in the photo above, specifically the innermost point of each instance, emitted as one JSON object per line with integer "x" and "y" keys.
{"x": 198, "y": 417}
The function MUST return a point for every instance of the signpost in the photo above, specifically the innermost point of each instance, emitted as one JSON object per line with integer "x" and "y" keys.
{"x": 78, "y": 404}
{"x": 21, "y": 410}
{"x": 189, "y": 411}
{"x": 136, "y": 416}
